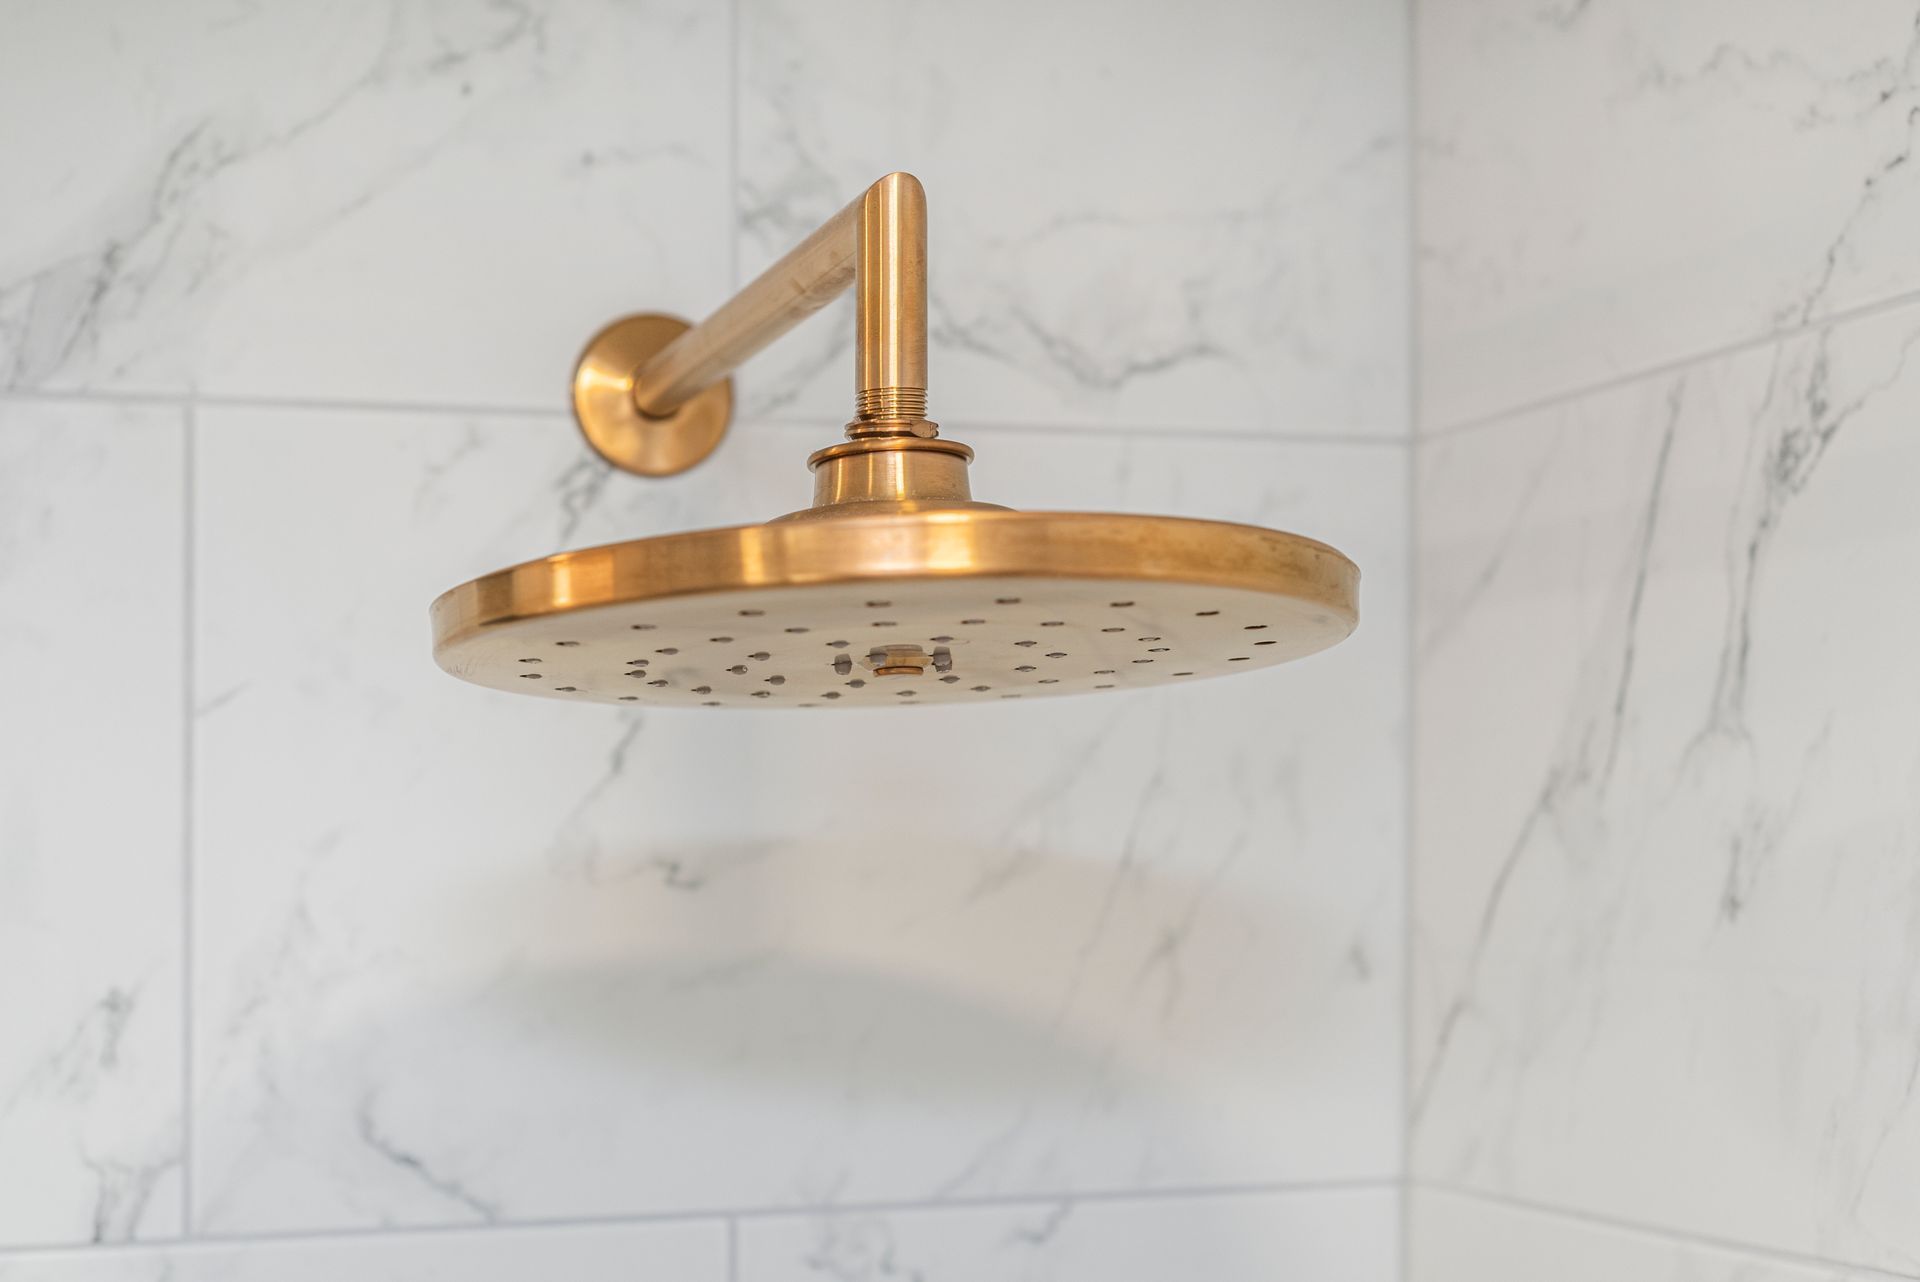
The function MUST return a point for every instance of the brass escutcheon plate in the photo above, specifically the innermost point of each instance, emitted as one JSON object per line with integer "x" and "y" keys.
{"x": 604, "y": 407}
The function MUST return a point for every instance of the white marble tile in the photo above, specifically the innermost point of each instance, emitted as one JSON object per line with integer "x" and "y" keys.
{"x": 91, "y": 760}
{"x": 466, "y": 957}
{"x": 677, "y": 1252}
{"x": 1139, "y": 213}
{"x": 367, "y": 200}
{"x": 1467, "y": 1239}
{"x": 1667, "y": 925}
{"x": 1605, "y": 188}
{"x": 1326, "y": 1236}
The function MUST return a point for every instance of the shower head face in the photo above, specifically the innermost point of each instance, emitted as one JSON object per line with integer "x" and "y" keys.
{"x": 899, "y": 611}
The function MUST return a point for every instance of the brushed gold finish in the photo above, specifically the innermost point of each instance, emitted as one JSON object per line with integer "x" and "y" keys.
{"x": 791, "y": 614}
{"x": 633, "y": 440}
{"x": 890, "y": 326}
{"x": 811, "y": 275}
{"x": 877, "y": 475}
{"x": 896, "y": 587}
{"x": 878, "y": 244}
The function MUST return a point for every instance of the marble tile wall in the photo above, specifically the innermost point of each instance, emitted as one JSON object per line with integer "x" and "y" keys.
{"x": 1611, "y": 186}
{"x": 1468, "y": 1237}
{"x": 316, "y": 963}
{"x": 1666, "y": 918}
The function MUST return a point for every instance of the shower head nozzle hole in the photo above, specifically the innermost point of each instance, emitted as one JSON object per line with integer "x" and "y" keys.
{"x": 1121, "y": 605}
{"x": 566, "y": 643}
{"x": 529, "y": 676}
{"x": 751, "y": 614}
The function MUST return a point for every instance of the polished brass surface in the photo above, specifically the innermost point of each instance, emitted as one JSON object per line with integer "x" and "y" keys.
{"x": 857, "y": 612}
{"x": 878, "y": 244}
{"x": 890, "y": 326}
{"x": 813, "y": 274}
{"x": 603, "y": 402}
{"x": 878, "y": 475}
{"x": 896, "y": 587}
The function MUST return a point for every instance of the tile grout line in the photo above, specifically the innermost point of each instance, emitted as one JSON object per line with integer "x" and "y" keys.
{"x": 1137, "y": 431}
{"x": 1663, "y": 1233}
{"x": 719, "y": 1215}
{"x": 733, "y": 1249}
{"x": 1676, "y": 365}
{"x": 1409, "y": 835}
{"x": 189, "y": 629}
{"x": 733, "y": 147}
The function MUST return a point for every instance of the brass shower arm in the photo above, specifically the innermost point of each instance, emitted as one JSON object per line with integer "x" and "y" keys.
{"x": 652, "y": 393}
{"x": 895, "y": 587}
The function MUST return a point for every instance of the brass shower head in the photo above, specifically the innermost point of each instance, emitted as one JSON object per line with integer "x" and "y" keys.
{"x": 895, "y": 587}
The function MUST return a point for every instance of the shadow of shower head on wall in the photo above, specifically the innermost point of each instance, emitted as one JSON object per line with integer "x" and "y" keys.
{"x": 896, "y": 588}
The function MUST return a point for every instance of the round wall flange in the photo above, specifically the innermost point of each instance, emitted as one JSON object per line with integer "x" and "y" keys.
{"x": 603, "y": 403}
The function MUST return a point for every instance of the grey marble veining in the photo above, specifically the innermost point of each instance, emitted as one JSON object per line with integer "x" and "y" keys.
{"x": 622, "y": 963}
{"x": 366, "y": 201}
{"x": 1140, "y": 215}
{"x": 1610, "y": 186}
{"x": 91, "y": 577}
{"x": 1326, "y": 1235}
{"x": 1667, "y": 928}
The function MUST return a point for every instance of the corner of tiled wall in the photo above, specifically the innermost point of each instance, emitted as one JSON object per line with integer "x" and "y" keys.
{"x": 1664, "y": 901}
{"x": 314, "y": 963}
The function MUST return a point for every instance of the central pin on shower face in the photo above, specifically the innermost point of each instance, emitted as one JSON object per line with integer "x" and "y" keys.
{"x": 898, "y": 661}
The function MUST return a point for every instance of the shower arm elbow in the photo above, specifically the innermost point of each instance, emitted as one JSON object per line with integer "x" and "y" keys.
{"x": 877, "y": 245}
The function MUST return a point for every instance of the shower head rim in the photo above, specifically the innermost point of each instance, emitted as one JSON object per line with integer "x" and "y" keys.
{"x": 944, "y": 544}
